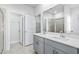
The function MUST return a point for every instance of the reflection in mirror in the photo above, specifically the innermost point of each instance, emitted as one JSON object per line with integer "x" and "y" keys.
{"x": 51, "y": 25}
{"x": 38, "y": 24}
{"x": 54, "y": 18}
{"x": 60, "y": 25}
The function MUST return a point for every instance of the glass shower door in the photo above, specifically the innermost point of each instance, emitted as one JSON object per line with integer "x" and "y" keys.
{"x": 1, "y": 31}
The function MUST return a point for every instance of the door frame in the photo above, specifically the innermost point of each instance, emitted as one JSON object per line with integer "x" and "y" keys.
{"x": 25, "y": 17}
{"x": 20, "y": 20}
{"x": 6, "y": 12}
{"x": 3, "y": 10}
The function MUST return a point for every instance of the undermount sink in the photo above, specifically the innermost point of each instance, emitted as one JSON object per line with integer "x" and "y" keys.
{"x": 54, "y": 35}
{"x": 60, "y": 38}
{"x": 57, "y": 36}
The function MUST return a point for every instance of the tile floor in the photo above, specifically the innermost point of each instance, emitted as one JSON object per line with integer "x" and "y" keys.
{"x": 19, "y": 49}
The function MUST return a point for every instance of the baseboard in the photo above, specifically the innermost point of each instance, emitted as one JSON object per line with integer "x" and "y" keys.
{"x": 14, "y": 42}
{"x": 28, "y": 45}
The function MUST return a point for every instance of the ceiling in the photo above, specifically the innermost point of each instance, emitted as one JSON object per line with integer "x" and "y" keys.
{"x": 56, "y": 9}
{"x": 32, "y": 5}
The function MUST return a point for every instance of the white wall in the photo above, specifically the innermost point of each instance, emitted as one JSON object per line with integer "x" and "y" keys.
{"x": 74, "y": 13}
{"x": 71, "y": 21}
{"x": 67, "y": 27}
{"x": 16, "y": 8}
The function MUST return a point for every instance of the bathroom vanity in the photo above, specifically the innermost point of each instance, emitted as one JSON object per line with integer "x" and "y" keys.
{"x": 46, "y": 44}
{"x": 61, "y": 19}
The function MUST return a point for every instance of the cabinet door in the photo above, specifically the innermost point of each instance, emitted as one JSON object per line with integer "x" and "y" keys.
{"x": 41, "y": 47}
{"x": 35, "y": 44}
{"x": 62, "y": 47}
{"x": 51, "y": 50}
{"x": 38, "y": 44}
{"x": 48, "y": 49}
{"x": 57, "y": 51}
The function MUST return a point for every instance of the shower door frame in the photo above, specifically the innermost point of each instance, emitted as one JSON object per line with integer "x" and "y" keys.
{"x": 4, "y": 13}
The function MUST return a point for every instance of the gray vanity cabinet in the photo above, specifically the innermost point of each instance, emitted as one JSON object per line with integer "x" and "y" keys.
{"x": 59, "y": 48}
{"x": 46, "y": 46}
{"x": 48, "y": 49}
{"x": 57, "y": 51}
{"x": 38, "y": 44}
{"x": 35, "y": 44}
{"x": 52, "y": 50}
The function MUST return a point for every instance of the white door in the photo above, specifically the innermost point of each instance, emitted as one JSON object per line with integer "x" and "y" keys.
{"x": 1, "y": 31}
{"x": 14, "y": 32}
{"x": 15, "y": 28}
{"x": 29, "y": 29}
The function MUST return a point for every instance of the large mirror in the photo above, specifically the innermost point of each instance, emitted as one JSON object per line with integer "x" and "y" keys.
{"x": 54, "y": 19}
{"x": 61, "y": 18}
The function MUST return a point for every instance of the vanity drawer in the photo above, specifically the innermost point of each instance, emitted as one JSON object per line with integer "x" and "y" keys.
{"x": 35, "y": 37}
{"x": 38, "y": 38}
{"x": 38, "y": 44}
{"x": 63, "y": 47}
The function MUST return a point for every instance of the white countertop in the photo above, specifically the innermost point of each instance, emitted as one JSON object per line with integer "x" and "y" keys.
{"x": 74, "y": 42}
